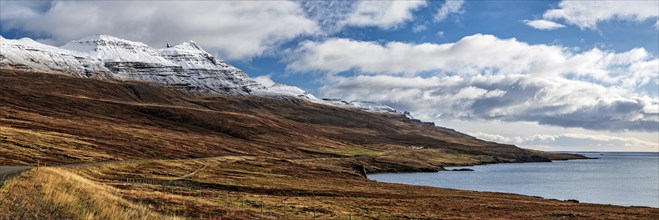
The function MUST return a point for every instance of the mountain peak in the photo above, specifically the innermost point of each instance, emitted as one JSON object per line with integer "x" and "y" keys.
{"x": 104, "y": 38}
{"x": 185, "y": 66}
{"x": 109, "y": 48}
{"x": 187, "y": 46}
{"x": 191, "y": 56}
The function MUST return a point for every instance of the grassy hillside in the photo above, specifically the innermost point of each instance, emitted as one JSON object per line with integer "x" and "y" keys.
{"x": 62, "y": 120}
{"x": 131, "y": 150}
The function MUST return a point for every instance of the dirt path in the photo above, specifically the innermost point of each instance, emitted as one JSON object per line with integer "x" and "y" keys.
{"x": 10, "y": 171}
{"x": 191, "y": 174}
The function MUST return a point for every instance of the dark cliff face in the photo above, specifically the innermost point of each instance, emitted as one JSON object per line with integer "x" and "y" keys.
{"x": 202, "y": 81}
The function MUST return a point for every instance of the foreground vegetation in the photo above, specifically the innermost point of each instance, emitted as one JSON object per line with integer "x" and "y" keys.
{"x": 247, "y": 187}
{"x": 51, "y": 193}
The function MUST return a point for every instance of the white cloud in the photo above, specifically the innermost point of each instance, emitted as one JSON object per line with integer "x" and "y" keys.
{"x": 235, "y": 29}
{"x": 560, "y": 102}
{"x": 586, "y": 14}
{"x": 449, "y": 7}
{"x": 553, "y": 137}
{"x": 419, "y": 28}
{"x": 543, "y": 24}
{"x": 329, "y": 15}
{"x": 472, "y": 55}
{"x": 19, "y": 9}
{"x": 484, "y": 77}
{"x": 573, "y": 141}
{"x": 334, "y": 16}
{"x": 264, "y": 80}
{"x": 383, "y": 14}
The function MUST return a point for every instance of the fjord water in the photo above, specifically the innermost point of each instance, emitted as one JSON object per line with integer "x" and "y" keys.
{"x": 628, "y": 179}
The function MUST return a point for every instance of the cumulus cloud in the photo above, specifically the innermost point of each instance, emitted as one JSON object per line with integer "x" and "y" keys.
{"x": 235, "y": 29}
{"x": 264, "y": 80}
{"x": 329, "y": 15}
{"x": 419, "y": 28}
{"x": 586, "y": 14}
{"x": 333, "y": 16}
{"x": 449, "y": 7}
{"x": 543, "y": 24}
{"x": 560, "y": 102}
{"x": 474, "y": 55}
{"x": 21, "y": 9}
{"x": 484, "y": 77}
{"x": 383, "y": 14}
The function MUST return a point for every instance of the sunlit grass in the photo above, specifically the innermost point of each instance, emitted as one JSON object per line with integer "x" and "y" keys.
{"x": 57, "y": 193}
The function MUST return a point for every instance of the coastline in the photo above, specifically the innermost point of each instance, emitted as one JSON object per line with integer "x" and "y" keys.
{"x": 413, "y": 169}
{"x": 492, "y": 185}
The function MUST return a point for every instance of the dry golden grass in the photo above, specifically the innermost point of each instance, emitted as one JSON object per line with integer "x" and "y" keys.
{"x": 129, "y": 120}
{"x": 266, "y": 158}
{"x": 27, "y": 147}
{"x": 248, "y": 187}
{"x": 54, "y": 193}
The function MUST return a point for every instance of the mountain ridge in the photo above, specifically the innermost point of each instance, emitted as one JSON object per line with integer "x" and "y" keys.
{"x": 161, "y": 122}
{"x": 255, "y": 145}
{"x": 184, "y": 66}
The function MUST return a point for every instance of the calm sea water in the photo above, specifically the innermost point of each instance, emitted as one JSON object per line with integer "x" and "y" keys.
{"x": 628, "y": 179}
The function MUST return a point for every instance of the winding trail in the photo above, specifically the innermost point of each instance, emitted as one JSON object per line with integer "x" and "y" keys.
{"x": 190, "y": 174}
{"x": 7, "y": 172}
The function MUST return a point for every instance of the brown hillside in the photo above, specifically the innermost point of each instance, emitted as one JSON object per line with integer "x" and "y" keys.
{"x": 62, "y": 120}
{"x": 131, "y": 150}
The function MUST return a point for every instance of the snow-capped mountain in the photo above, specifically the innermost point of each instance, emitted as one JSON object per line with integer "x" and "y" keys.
{"x": 112, "y": 49}
{"x": 28, "y": 54}
{"x": 285, "y": 90}
{"x": 184, "y": 66}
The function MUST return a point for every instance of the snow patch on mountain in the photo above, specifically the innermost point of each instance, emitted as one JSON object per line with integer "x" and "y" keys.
{"x": 112, "y": 49}
{"x": 363, "y": 105}
{"x": 286, "y": 90}
{"x": 372, "y": 106}
{"x": 189, "y": 55}
{"x": 27, "y": 54}
{"x": 185, "y": 66}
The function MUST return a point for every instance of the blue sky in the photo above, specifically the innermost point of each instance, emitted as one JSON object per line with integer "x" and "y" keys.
{"x": 503, "y": 19}
{"x": 549, "y": 75}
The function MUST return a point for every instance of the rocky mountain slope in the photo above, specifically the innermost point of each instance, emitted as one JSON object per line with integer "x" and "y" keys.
{"x": 60, "y": 119}
{"x": 185, "y": 66}
{"x": 166, "y": 133}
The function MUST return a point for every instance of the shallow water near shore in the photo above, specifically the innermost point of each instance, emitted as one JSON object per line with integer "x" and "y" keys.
{"x": 628, "y": 179}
